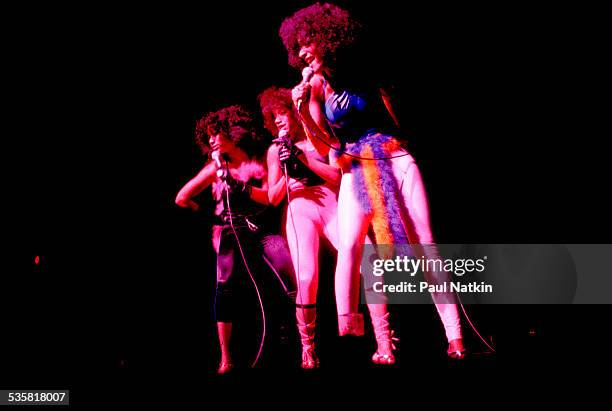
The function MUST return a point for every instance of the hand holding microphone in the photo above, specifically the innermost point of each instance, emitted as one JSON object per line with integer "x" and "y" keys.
{"x": 286, "y": 150}
{"x": 301, "y": 92}
{"x": 221, "y": 171}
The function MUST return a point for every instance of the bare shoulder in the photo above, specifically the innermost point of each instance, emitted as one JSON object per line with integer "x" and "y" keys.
{"x": 317, "y": 83}
{"x": 305, "y": 145}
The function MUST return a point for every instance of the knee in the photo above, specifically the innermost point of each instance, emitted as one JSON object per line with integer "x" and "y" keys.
{"x": 349, "y": 249}
{"x": 306, "y": 290}
{"x": 305, "y": 277}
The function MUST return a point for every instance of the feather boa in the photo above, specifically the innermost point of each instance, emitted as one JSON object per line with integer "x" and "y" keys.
{"x": 247, "y": 170}
{"x": 376, "y": 187}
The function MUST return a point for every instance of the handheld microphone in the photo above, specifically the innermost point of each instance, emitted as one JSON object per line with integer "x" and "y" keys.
{"x": 283, "y": 136}
{"x": 307, "y": 74}
{"x": 221, "y": 171}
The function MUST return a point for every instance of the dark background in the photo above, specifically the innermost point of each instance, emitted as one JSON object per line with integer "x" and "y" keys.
{"x": 499, "y": 103}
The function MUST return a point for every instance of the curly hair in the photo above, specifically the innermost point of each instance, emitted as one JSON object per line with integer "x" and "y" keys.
{"x": 326, "y": 25}
{"x": 272, "y": 99}
{"x": 236, "y": 123}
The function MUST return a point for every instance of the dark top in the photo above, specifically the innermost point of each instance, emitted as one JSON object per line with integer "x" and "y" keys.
{"x": 298, "y": 170}
{"x": 245, "y": 212}
{"x": 240, "y": 204}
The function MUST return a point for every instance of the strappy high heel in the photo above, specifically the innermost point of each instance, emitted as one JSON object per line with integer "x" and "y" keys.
{"x": 385, "y": 338}
{"x": 306, "y": 315}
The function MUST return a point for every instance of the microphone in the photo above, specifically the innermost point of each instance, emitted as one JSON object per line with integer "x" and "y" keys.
{"x": 221, "y": 171}
{"x": 283, "y": 136}
{"x": 307, "y": 74}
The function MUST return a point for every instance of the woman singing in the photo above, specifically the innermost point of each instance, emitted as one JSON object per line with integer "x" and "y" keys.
{"x": 312, "y": 186}
{"x": 343, "y": 107}
{"x": 240, "y": 188}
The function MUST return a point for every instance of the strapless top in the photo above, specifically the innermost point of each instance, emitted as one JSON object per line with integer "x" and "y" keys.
{"x": 353, "y": 114}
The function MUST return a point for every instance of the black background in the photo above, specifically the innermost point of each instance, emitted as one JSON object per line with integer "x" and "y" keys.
{"x": 500, "y": 103}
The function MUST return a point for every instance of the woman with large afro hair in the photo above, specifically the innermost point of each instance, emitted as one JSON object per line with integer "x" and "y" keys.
{"x": 238, "y": 176}
{"x": 381, "y": 190}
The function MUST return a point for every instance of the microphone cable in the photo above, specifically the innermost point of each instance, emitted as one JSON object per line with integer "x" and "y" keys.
{"x": 246, "y": 265}
{"x": 460, "y": 303}
{"x": 297, "y": 248}
{"x": 388, "y": 158}
{"x": 472, "y": 325}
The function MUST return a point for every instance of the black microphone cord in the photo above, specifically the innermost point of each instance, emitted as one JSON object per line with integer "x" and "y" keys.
{"x": 340, "y": 151}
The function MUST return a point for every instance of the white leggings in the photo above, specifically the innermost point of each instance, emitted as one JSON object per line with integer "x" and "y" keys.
{"x": 353, "y": 224}
{"x": 312, "y": 213}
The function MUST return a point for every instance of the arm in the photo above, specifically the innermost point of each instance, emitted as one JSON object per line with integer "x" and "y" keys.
{"x": 276, "y": 180}
{"x": 260, "y": 195}
{"x": 313, "y": 118}
{"x": 327, "y": 172}
{"x": 195, "y": 186}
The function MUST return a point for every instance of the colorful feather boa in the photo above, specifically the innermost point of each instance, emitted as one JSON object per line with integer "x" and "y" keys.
{"x": 376, "y": 187}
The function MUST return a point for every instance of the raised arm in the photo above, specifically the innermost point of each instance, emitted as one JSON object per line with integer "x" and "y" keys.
{"x": 276, "y": 179}
{"x": 186, "y": 195}
{"x": 312, "y": 116}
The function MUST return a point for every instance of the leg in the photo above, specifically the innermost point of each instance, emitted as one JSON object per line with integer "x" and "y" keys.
{"x": 415, "y": 200}
{"x": 328, "y": 215}
{"x": 378, "y": 312}
{"x": 306, "y": 316}
{"x": 380, "y": 323}
{"x": 277, "y": 256}
{"x": 303, "y": 240}
{"x": 224, "y": 304}
{"x": 352, "y": 228}
{"x": 225, "y": 334}
{"x": 384, "y": 336}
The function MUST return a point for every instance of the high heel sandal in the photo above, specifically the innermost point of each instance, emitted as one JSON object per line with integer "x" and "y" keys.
{"x": 384, "y": 336}
{"x": 307, "y": 333}
{"x": 456, "y": 350}
{"x": 310, "y": 360}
